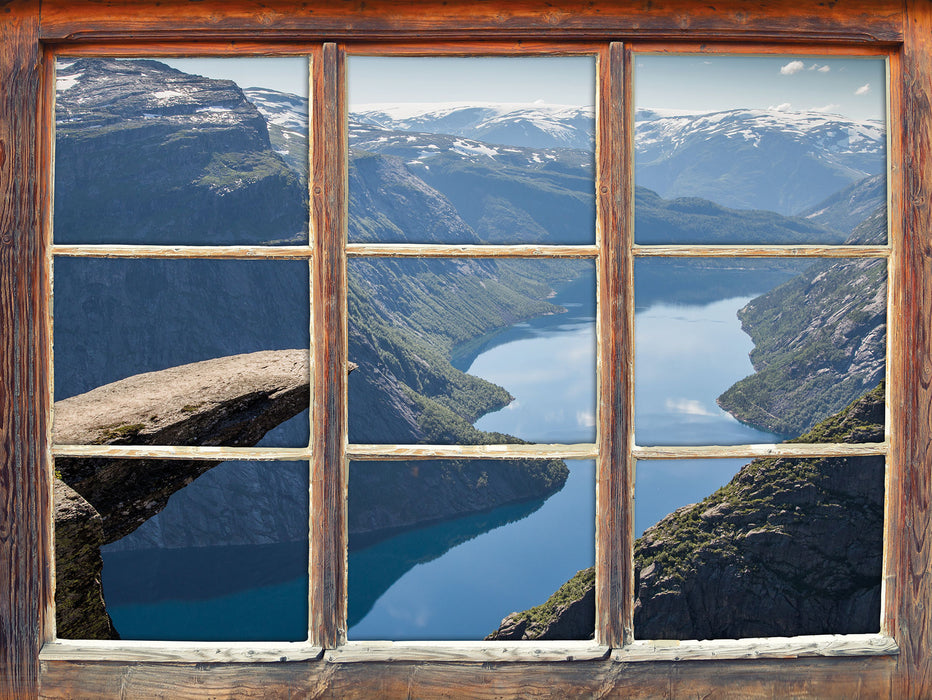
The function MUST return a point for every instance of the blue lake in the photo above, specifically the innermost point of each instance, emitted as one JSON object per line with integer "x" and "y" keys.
{"x": 458, "y": 579}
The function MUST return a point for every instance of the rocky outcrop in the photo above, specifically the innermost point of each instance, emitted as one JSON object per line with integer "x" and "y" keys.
{"x": 150, "y": 153}
{"x": 819, "y": 341}
{"x": 80, "y": 612}
{"x": 788, "y": 547}
{"x": 229, "y": 401}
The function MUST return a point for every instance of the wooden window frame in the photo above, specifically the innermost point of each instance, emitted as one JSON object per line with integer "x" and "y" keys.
{"x": 30, "y": 664}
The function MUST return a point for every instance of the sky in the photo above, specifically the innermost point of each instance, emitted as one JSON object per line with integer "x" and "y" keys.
{"x": 853, "y": 87}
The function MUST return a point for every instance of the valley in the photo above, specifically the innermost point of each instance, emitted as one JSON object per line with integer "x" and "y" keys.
{"x": 426, "y": 334}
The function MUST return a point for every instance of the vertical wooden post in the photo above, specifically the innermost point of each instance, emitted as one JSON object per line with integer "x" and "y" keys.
{"x": 909, "y": 589}
{"x": 24, "y": 487}
{"x": 615, "y": 468}
{"x": 328, "y": 340}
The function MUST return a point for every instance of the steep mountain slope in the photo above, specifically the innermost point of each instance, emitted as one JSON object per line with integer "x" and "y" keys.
{"x": 819, "y": 341}
{"x": 122, "y": 125}
{"x": 755, "y": 159}
{"x": 787, "y": 547}
{"x": 844, "y": 211}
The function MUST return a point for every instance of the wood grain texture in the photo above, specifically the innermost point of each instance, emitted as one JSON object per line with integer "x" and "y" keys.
{"x": 217, "y": 252}
{"x": 413, "y": 250}
{"x": 762, "y": 251}
{"x": 179, "y": 652}
{"x": 24, "y": 485}
{"x": 788, "y": 679}
{"x": 909, "y": 593}
{"x": 854, "y": 21}
{"x": 509, "y": 451}
{"x": 766, "y": 648}
{"x": 328, "y": 538}
{"x": 469, "y": 652}
{"x": 783, "y": 449}
{"x": 614, "y": 558}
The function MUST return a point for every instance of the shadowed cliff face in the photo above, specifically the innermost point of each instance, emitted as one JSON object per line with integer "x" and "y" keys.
{"x": 788, "y": 547}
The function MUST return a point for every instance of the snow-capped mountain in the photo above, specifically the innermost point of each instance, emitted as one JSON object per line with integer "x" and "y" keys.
{"x": 287, "y": 119}
{"x": 755, "y": 159}
{"x": 535, "y": 125}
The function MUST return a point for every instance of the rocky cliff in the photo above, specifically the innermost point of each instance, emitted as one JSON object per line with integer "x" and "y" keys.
{"x": 122, "y": 125}
{"x": 787, "y": 547}
{"x": 819, "y": 341}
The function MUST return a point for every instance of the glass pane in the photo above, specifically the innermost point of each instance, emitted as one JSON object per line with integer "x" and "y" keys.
{"x": 745, "y": 351}
{"x": 785, "y": 547}
{"x": 181, "y": 352}
{"x": 472, "y": 150}
{"x": 471, "y": 351}
{"x": 447, "y": 549}
{"x": 225, "y": 560}
{"x": 759, "y": 149}
{"x": 181, "y": 151}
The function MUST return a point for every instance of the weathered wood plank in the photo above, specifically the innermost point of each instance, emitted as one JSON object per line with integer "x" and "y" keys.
{"x": 469, "y": 652}
{"x": 184, "y": 251}
{"x": 413, "y": 250}
{"x": 766, "y": 648}
{"x": 762, "y": 251}
{"x": 179, "y": 652}
{"x": 328, "y": 539}
{"x": 24, "y": 478}
{"x": 614, "y": 559}
{"x": 184, "y": 452}
{"x": 788, "y": 679}
{"x": 909, "y": 529}
{"x": 776, "y": 450}
{"x": 410, "y": 452}
{"x": 855, "y": 21}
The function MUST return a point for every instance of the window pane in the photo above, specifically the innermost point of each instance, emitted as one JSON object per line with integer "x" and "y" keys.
{"x": 471, "y": 351}
{"x": 472, "y": 150}
{"x": 225, "y": 560}
{"x": 759, "y": 149}
{"x": 786, "y": 547}
{"x": 753, "y": 351}
{"x": 447, "y": 549}
{"x": 181, "y": 352}
{"x": 151, "y": 153}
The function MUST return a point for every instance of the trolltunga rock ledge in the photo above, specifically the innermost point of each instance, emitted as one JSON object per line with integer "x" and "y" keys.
{"x": 230, "y": 401}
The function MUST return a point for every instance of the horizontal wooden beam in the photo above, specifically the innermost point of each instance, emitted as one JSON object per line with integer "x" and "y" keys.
{"x": 411, "y": 452}
{"x": 469, "y": 652}
{"x": 178, "y": 652}
{"x": 761, "y": 251}
{"x": 852, "y": 22}
{"x": 766, "y": 648}
{"x": 414, "y": 250}
{"x": 231, "y": 252}
{"x": 858, "y": 678}
{"x": 252, "y": 454}
{"x": 782, "y": 449}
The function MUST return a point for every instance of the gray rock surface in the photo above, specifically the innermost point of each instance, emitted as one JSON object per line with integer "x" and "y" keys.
{"x": 788, "y": 547}
{"x": 230, "y": 401}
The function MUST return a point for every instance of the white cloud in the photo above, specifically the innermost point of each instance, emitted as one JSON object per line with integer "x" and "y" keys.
{"x": 585, "y": 419}
{"x": 826, "y": 108}
{"x": 824, "y": 69}
{"x": 689, "y": 407}
{"x": 785, "y": 107}
{"x": 792, "y": 67}
{"x": 863, "y": 90}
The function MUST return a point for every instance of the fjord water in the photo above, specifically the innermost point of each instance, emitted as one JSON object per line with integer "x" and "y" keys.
{"x": 458, "y": 579}
{"x": 689, "y": 354}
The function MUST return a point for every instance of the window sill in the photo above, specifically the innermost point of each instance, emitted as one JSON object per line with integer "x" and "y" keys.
{"x": 762, "y": 648}
{"x": 179, "y": 652}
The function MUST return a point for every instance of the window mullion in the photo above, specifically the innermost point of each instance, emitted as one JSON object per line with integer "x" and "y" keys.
{"x": 327, "y": 558}
{"x": 615, "y": 467}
